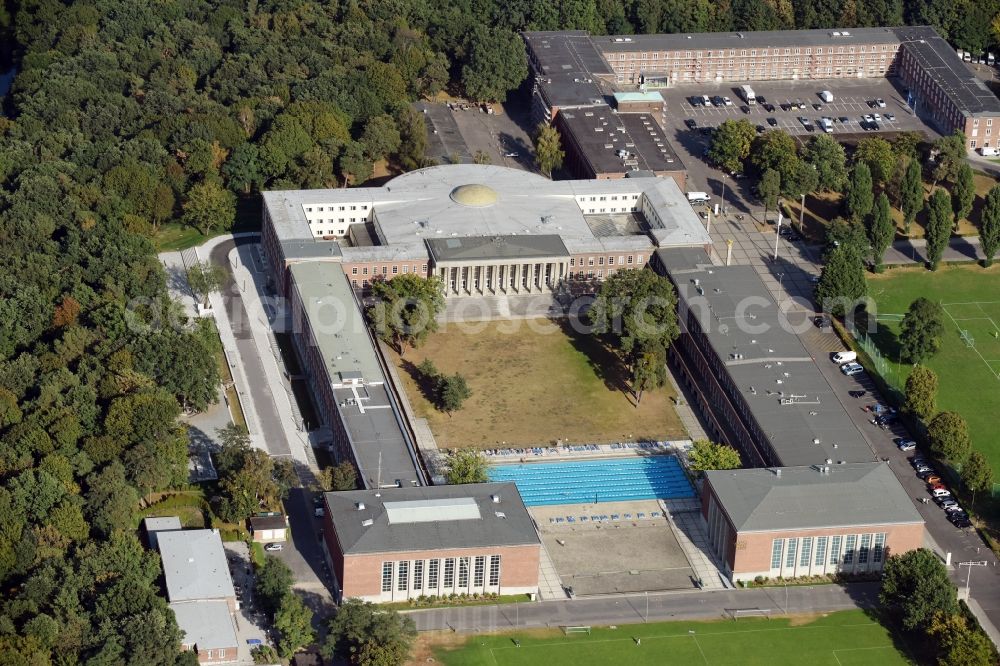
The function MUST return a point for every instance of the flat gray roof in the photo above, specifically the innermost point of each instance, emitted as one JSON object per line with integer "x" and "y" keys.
{"x": 565, "y": 64}
{"x": 699, "y": 41}
{"x": 496, "y": 248}
{"x": 207, "y": 625}
{"x": 601, "y": 135}
{"x": 503, "y": 523}
{"x": 788, "y": 397}
{"x": 268, "y": 523}
{"x": 343, "y": 341}
{"x": 940, "y": 62}
{"x": 194, "y": 565}
{"x": 796, "y": 498}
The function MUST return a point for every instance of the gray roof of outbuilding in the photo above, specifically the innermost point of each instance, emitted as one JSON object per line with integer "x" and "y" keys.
{"x": 514, "y": 528}
{"x": 496, "y": 248}
{"x": 194, "y": 565}
{"x": 208, "y": 625}
{"x": 850, "y": 495}
{"x": 769, "y": 366}
{"x": 268, "y": 523}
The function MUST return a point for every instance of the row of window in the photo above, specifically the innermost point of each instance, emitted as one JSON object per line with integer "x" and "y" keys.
{"x": 612, "y": 197}
{"x": 622, "y": 260}
{"x": 320, "y": 209}
{"x": 673, "y": 55}
{"x": 385, "y": 269}
{"x": 834, "y": 550}
{"x": 431, "y": 575}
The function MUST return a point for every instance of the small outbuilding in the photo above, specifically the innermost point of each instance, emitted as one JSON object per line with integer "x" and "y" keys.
{"x": 266, "y": 529}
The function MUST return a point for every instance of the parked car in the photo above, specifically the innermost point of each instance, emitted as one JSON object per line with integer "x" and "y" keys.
{"x": 745, "y": 109}
{"x": 851, "y": 369}
{"x": 880, "y": 103}
{"x": 949, "y": 505}
{"x": 932, "y": 479}
{"x": 696, "y": 100}
{"x": 273, "y": 547}
{"x": 511, "y": 154}
{"x": 941, "y": 493}
{"x": 918, "y": 461}
{"x": 961, "y": 522}
{"x": 822, "y": 321}
{"x": 799, "y": 103}
{"x": 728, "y": 102}
{"x": 890, "y": 117}
{"x": 761, "y": 100}
{"x": 761, "y": 129}
{"x": 786, "y": 107}
{"x": 876, "y": 117}
{"x": 768, "y": 107}
{"x": 817, "y": 106}
{"x": 772, "y": 122}
{"x": 906, "y": 444}
{"x": 867, "y": 118}
{"x": 691, "y": 123}
{"x": 844, "y": 119}
{"x": 717, "y": 101}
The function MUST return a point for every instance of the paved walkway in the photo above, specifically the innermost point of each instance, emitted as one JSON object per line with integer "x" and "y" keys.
{"x": 636, "y": 608}
{"x": 689, "y": 528}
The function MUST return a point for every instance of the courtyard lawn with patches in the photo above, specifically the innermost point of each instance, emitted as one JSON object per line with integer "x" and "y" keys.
{"x": 968, "y": 373}
{"x": 838, "y": 639}
{"x": 533, "y": 382}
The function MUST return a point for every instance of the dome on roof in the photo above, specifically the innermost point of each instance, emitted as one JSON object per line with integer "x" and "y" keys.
{"x": 475, "y": 196}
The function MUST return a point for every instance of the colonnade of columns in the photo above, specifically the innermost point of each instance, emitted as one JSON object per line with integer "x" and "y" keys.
{"x": 532, "y": 277}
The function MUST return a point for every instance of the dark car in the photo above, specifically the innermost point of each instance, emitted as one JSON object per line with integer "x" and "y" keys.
{"x": 745, "y": 109}
{"x": 817, "y": 106}
{"x": 769, "y": 108}
{"x": 786, "y": 107}
{"x": 717, "y": 101}
{"x": 810, "y": 128}
{"x": 874, "y": 126}
{"x": 761, "y": 129}
{"x": 707, "y": 131}
{"x": 761, "y": 100}
{"x": 772, "y": 122}
{"x": 821, "y": 321}
{"x": 844, "y": 119}
{"x": 691, "y": 123}
{"x": 696, "y": 101}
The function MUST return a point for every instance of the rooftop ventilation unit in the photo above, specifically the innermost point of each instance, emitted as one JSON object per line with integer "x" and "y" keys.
{"x": 360, "y": 506}
{"x": 495, "y": 498}
{"x": 500, "y": 514}
{"x": 368, "y": 522}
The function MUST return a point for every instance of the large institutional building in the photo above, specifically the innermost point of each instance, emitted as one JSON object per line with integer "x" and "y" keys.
{"x": 573, "y": 70}
{"x": 807, "y": 521}
{"x": 481, "y": 229}
{"x": 433, "y": 540}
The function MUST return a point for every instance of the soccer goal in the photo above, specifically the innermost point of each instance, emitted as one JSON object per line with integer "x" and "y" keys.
{"x": 576, "y": 630}
{"x": 737, "y": 613}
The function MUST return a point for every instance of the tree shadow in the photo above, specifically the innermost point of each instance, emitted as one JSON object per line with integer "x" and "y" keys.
{"x": 605, "y": 363}
{"x": 426, "y": 385}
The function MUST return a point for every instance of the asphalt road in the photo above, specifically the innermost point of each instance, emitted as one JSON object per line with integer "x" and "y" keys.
{"x": 239, "y": 321}
{"x": 632, "y": 609}
{"x": 963, "y": 544}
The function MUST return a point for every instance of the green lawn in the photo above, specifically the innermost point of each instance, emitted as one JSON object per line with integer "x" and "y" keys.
{"x": 838, "y": 639}
{"x": 968, "y": 379}
{"x": 174, "y": 236}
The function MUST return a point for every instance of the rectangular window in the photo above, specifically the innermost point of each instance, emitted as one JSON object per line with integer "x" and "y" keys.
{"x": 403, "y": 575}
{"x": 790, "y": 552}
{"x": 621, "y": 261}
{"x": 433, "y": 567}
{"x": 395, "y": 269}
{"x": 630, "y": 258}
{"x": 406, "y": 268}
{"x": 387, "y": 576}
{"x": 866, "y": 542}
{"x": 572, "y": 261}
{"x": 364, "y": 271}
{"x": 820, "y": 551}
{"x": 600, "y": 261}
{"x": 479, "y": 573}
{"x": 806, "y": 552}
{"x": 590, "y": 261}
{"x": 776, "y": 547}
{"x": 495, "y": 571}
{"x": 449, "y": 573}
{"x": 463, "y": 572}
{"x": 611, "y": 261}
{"x": 418, "y": 574}
{"x": 834, "y": 550}
{"x": 354, "y": 270}
{"x": 849, "y": 544}
{"x": 879, "y": 547}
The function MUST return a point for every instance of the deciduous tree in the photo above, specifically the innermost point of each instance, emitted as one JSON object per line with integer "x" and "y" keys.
{"x": 649, "y": 370}
{"x": 915, "y": 586}
{"x": 842, "y": 283}
{"x": 205, "y": 278}
{"x": 963, "y": 193}
{"x": 881, "y": 230}
{"x": 731, "y": 143}
{"x": 938, "y": 231}
{"x": 989, "y": 226}
{"x": 496, "y": 64}
{"x": 273, "y": 583}
{"x": 706, "y": 455}
{"x": 827, "y": 157}
{"x": 950, "y": 152}
{"x": 768, "y": 189}
{"x": 877, "y": 153}
{"x": 364, "y": 633}
{"x": 977, "y": 473}
{"x": 860, "y": 196}
{"x": 406, "y": 309}
{"x": 948, "y": 434}
{"x": 921, "y": 392}
{"x": 921, "y": 330}
{"x": 912, "y": 195}
{"x": 466, "y": 466}
{"x": 548, "y": 149}
{"x": 634, "y": 309}
{"x": 293, "y": 621}
{"x": 209, "y": 207}
{"x": 453, "y": 392}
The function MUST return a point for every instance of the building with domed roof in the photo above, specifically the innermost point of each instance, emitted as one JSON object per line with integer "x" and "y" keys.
{"x": 483, "y": 229}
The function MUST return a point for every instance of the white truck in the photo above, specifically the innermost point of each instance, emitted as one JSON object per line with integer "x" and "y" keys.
{"x": 746, "y": 92}
{"x": 842, "y": 357}
{"x": 989, "y": 151}
{"x": 826, "y": 96}
{"x": 827, "y": 125}
{"x": 697, "y": 197}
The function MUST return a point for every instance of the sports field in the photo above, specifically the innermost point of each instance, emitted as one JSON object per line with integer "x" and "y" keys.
{"x": 968, "y": 365}
{"x": 533, "y": 382}
{"x": 839, "y": 639}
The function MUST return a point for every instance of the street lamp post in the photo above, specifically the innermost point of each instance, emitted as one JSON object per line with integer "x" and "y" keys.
{"x": 777, "y": 232}
{"x": 968, "y": 576}
{"x": 724, "y": 177}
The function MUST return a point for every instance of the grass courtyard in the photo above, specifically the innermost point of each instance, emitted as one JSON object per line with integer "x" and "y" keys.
{"x": 839, "y": 639}
{"x": 533, "y": 382}
{"x": 968, "y": 375}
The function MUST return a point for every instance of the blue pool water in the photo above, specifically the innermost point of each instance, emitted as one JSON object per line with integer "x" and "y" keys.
{"x": 591, "y": 481}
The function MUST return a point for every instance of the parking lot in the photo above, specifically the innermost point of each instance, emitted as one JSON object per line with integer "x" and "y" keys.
{"x": 850, "y": 103}
{"x": 456, "y": 132}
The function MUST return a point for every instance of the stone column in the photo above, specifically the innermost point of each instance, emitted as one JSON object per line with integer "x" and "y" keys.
{"x": 518, "y": 268}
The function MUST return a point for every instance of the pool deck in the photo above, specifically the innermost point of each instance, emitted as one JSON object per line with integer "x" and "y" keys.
{"x": 677, "y": 447}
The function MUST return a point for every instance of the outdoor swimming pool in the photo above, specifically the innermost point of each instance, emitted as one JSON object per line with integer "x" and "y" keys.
{"x": 592, "y": 481}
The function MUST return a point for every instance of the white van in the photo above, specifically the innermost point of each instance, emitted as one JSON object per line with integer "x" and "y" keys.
{"x": 988, "y": 151}
{"x": 826, "y": 96}
{"x": 843, "y": 357}
{"x": 697, "y": 197}
{"x": 851, "y": 369}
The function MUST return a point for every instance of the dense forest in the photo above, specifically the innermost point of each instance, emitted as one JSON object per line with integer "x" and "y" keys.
{"x": 128, "y": 114}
